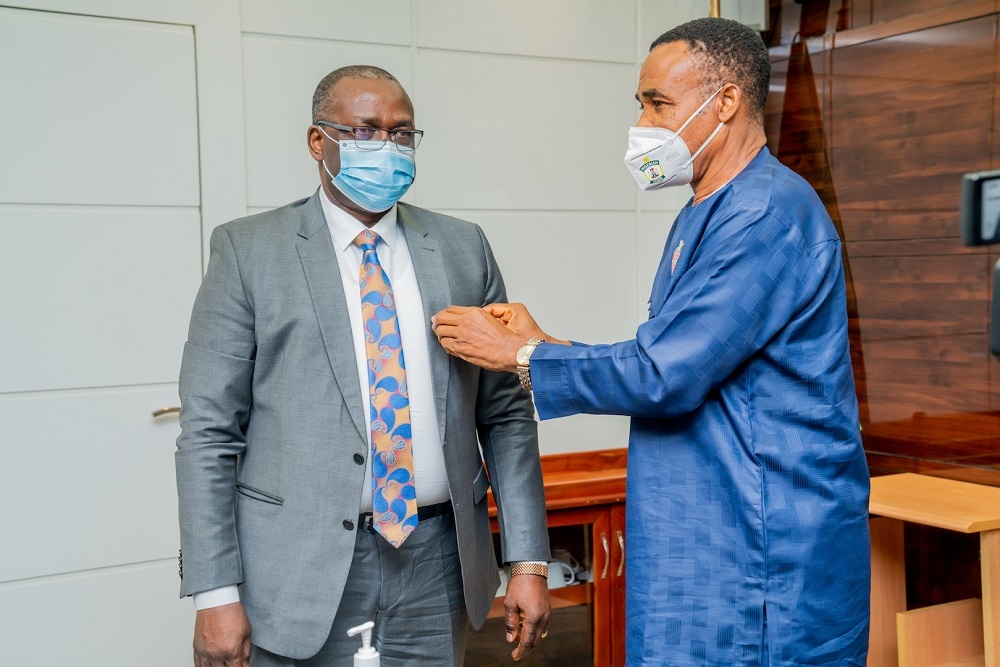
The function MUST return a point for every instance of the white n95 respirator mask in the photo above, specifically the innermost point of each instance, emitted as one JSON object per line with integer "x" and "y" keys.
{"x": 658, "y": 157}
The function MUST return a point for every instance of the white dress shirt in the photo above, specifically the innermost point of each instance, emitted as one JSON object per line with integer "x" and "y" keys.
{"x": 429, "y": 475}
{"x": 430, "y": 478}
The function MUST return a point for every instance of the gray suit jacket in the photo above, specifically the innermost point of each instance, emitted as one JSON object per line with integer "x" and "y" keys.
{"x": 272, "y": 420}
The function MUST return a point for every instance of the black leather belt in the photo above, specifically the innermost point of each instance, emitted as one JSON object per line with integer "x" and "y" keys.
{"x": 424, "y": 512}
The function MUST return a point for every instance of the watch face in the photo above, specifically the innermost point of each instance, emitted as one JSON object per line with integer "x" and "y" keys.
{"x": 524, "y": 354}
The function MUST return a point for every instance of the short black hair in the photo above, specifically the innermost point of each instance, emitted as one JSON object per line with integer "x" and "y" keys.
{"x": 727, "y": 51}
{"x": 323, "y": 95}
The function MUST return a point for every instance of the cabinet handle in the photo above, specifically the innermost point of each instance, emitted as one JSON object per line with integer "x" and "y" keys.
{"x": 621, "y": 545}
{"x": 166, "y": 411}
{"x": 607, "y": 555}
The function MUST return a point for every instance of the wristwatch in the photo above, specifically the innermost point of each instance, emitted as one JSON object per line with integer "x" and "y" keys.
{"x": 523, "y": 358}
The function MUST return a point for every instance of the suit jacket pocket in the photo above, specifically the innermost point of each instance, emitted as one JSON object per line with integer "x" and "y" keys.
{"x": 257, "y": 494}
{"x": 480, "y": 486}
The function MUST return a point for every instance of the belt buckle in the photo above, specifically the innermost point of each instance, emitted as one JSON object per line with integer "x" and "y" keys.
{"x": 367, "y": 524}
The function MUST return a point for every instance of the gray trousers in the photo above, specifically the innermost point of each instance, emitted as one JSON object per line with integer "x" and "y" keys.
{"x": 413, "y": 594}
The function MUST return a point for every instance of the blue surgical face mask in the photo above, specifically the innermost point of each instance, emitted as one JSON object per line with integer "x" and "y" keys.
{"x": 373, "y": 179}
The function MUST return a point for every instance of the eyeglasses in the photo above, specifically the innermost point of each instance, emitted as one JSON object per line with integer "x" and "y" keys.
{"x": 374, "y": 138}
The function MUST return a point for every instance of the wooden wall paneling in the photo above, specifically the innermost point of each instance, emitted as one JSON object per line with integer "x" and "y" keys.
{"x": 995, "y": 97}
{"x": 956, "y": 437}
{"x": 927, "y": 295}
{"x": 785, "y": 26}
{"x": 887, "y": 464}
{"x": 909, "y": 103}
{"x": 934, "y": 375}
{"x": 922, "y": 329}
{"x": 904, "y": 172}
{"x": 899, "y": 138}
{"x": 903, "y": 118}
{"x": 993, "y": 364}
{"x": 863, "y": 223}
{"x": 973, "y": 475}
{"x": 861, "y": 13}
{"x": 888, "y": 10}
{"x": 959, "y": 446}
{"x": 904, "y": 147}
{"x": 798, "y": 134}
{"x": 775, "y": 104}
{"x": 958, "y": 12}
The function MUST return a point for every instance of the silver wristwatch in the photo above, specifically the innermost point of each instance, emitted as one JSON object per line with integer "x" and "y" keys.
{"x": 524, "y": 362}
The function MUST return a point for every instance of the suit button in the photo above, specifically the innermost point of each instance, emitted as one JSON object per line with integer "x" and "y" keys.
{"x": 360, "y": 460}
{"x": 348, "y": 524}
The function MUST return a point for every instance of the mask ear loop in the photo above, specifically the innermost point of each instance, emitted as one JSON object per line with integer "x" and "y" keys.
{"x": 697, "y": 111}
{"x": 328, "y": 172}
{"x": 711, "y": 136}
{"x": 707, "y": 142}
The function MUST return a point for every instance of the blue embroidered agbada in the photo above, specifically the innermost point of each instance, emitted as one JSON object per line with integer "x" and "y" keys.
{"x": 747, "y": 497}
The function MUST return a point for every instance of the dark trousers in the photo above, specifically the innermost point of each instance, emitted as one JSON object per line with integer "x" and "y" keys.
{"x": 413, "y": 594}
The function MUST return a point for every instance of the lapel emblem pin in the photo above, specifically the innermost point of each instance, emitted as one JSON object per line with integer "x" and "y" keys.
{"x": 676, "y": 256}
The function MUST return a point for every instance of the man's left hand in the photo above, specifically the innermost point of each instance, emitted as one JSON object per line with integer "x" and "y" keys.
{"x": 526, "y": 612}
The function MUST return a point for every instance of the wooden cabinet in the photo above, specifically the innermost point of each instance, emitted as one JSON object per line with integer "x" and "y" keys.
{"x": 585, "y": 501}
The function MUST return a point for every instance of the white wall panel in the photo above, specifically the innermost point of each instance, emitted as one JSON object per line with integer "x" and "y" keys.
{"x": 120, "y": 617}
{"x": 665, "y": 199}
{"x": 221, "y": 144}
{"x": 653, "y": 231}
{"x": 656, "y": 17}
{"x": 754, "y": 13}
{"x": 95, "y": 296}
{"x": 279, "y": 78}
{"x": 524, "y": 133}
{"x": 106, "y": 111}
{"x": 185, "y": 12}
{"x": 583, "y": 29}
{"x": 92, "y": 477}
{"x": 374, "y": 21}
{"x": 582, "y": 433}
{"x": 575, "y": 272}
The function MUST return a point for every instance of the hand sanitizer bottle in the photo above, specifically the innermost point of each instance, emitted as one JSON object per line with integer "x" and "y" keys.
{"x": 366, "y": 656}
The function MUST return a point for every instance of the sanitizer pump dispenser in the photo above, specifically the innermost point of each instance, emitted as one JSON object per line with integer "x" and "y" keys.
{"x": 366, "y": 656}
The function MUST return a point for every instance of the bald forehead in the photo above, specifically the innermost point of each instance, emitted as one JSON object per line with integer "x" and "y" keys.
{"x": 353, "y": 90}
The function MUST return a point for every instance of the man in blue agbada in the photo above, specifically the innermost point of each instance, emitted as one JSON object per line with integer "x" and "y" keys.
{"x": 747, "y": 496}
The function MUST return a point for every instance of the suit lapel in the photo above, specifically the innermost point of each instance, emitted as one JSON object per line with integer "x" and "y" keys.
{"x": 322, "y": 271}
{"x": 435, "y": 293}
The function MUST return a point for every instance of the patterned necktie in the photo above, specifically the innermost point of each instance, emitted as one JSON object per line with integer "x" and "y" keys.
{"x": 394, "y": 498}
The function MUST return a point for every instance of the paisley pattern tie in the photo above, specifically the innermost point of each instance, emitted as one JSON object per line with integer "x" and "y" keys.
{"x": 394, "y": 497}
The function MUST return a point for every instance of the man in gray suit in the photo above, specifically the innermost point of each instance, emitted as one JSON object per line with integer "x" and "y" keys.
{"x": 323, "y": 481}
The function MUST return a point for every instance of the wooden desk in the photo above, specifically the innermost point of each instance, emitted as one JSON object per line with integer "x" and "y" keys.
{"x": 943, "y": 503}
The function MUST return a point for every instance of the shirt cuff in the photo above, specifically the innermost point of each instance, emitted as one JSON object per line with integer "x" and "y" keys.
{"x": 216, "y": 597}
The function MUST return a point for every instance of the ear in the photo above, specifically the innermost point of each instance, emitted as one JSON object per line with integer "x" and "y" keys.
{"x": 314, "y": 140}
{"x": 729, "y": 101}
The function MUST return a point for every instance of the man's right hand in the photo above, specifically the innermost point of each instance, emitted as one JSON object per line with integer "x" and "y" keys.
{"x": 222, "y": 637}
